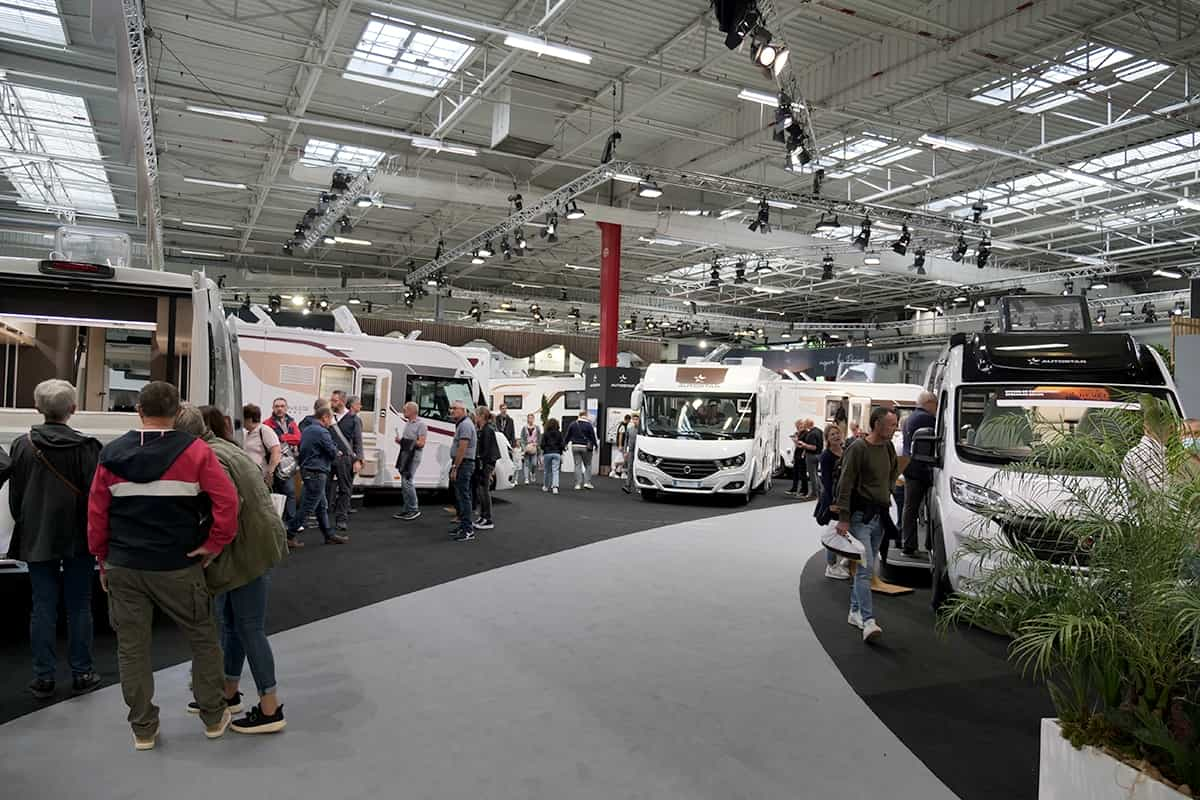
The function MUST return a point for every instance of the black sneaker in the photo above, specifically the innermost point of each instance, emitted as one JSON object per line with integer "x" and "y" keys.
{"x": 87, "y": 682}
{"x": 41, "y": 688}
{"x": 484, "y": 524}
{"x": 410, "y": 517}
{"x": 258, "y": 722}
{"x": 234, "y": 704}
{"x": 465, "y": 536}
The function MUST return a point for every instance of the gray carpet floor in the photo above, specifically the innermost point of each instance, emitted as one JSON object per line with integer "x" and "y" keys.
{"x": 672, "y": 663}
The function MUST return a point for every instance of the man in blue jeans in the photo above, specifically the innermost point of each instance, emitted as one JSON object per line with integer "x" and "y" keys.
{"x": 52, "y": 470}
{"x": 317, "y": 453}
{"x": 462, "y": 470}
{"x": 869, "y": 471}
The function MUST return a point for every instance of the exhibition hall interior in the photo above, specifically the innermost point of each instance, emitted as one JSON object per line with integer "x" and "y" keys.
{"x": 571, "y": 399}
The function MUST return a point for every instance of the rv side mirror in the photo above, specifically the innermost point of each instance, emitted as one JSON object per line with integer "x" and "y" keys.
{"x": 925, "y": 446}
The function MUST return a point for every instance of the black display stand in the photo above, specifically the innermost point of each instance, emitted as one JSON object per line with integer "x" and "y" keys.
{"x": 610, "y": 387}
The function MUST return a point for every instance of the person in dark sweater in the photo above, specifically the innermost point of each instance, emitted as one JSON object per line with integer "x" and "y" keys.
{"x": 159, "y": 511}
{"x": 864, "y": 497}
{"x": 347, "y": 437}
{"x": 487, "y": 453}
{"x": 581, "y": 436}
{"x": 52, "y": 468}
{"x": 917, "y": 476}
{"x": 317, "y": 457}
{"x": 830, "y": 469}
{"x": 552, "y": 449}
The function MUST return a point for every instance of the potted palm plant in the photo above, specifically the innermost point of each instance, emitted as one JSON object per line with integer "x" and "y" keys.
{"x": 1093, "y": 569}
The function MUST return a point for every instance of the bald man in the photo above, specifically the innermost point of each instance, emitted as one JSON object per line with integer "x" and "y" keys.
{"x": 917, "y": 477}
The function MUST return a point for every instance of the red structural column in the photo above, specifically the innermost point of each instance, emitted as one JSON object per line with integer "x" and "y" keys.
{"x": 610, "y": 291}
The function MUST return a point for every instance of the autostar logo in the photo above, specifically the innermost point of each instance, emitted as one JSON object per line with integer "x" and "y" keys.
{"x": 1036, "y": 361}
{"x": 700, "y": 375}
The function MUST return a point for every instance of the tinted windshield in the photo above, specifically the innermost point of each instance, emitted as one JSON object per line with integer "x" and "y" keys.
{"x": 703, "y": 416}
{"x": 1000, "y": 424}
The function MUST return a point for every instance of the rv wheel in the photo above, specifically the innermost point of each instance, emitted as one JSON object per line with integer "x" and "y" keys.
{"x": 943, "y": 590}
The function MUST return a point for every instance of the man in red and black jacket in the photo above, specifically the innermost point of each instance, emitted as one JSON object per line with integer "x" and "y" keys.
{"x": 283, "y": 482}
{"x": 159, "y": 511}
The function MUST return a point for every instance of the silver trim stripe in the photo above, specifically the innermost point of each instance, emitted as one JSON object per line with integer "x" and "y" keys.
{"x": 155, "y": 489}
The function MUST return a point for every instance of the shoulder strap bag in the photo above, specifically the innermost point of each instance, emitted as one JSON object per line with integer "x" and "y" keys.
{"x": 41, "y": 457}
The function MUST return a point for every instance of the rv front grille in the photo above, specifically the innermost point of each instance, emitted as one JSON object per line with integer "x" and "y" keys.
{"x": 687, "y": 470}
{"x": 1048, "y": 542}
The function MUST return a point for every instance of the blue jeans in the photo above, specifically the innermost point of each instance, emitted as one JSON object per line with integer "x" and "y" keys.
{"x": 552, "y": 464}
{"x": 870, "y": 534}
{"x": 529, "y": 467}
{"x": 242, "y": 620}
{"x": 583, "y": 465}
{"x": 462, "y": 495}
{"x": 312, "y": 501}
{"x": 286, "y": 488}
{"x": 408, "y": 489}
{"x": 43, "y": 622}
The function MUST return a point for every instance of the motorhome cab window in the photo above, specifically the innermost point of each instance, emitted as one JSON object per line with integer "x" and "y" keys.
{"x": 1000, "y": 424}
{"x": 707, "y": 416}
{"x": 513, "y": 401}
{"x": 334, "y": 377}
{"x": 434, "y": 396}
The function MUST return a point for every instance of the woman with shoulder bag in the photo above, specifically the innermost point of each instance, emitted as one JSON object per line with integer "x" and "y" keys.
{"x": 531, "y": 436}
{"x": 830, "y": 469}
{"x": 239, "y": 578}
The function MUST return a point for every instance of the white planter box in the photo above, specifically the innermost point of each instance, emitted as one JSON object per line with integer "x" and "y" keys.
{"x": 1090, "y": 774}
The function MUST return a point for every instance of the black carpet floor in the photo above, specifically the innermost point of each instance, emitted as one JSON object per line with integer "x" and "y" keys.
{"x": 954, "y": 700}
{"x": 384, "y": 559}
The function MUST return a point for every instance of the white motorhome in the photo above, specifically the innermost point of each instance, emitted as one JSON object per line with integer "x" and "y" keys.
{"x": 707, "y": 428}
{"x": 385, "y": 372}
{"x": 1000, "y": 393}
{"x": 821, "y": 400}
{"x": 109, "y": 331}
{"x": 563, "y": 393}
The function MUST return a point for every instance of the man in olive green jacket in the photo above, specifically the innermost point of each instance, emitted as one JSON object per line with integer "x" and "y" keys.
{"x": 240, "y": 578}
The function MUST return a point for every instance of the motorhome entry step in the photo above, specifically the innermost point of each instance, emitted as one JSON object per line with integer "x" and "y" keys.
{"x": 896, "y": 558}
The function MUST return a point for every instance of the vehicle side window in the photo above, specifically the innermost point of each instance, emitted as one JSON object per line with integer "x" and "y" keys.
{"x": 434, "y": 396}
{"x": 334, "y": 376}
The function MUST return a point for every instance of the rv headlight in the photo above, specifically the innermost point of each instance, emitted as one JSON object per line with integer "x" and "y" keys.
{"x": 736, "y": 461}
{"x": 975, "y": 497}
{"x": 642, "y": 455}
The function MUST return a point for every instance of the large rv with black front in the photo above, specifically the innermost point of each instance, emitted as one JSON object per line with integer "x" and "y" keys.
{"x": 1046, "y": 375}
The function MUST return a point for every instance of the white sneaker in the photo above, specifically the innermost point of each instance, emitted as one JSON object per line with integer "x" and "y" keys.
{"x": 544, "y": 489}
{"x": 855, "y": 619}
{"x": 588, "y": 486}
{"x": 554, "y": 490}
{"x": 577, "y": 488}
{"x": 837, "y": 572}
{"x": 871, "y": 631}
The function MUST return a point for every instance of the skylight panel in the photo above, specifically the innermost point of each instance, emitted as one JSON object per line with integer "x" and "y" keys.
{"x": 37, "y": 20}
{"x": 323, "y": 152}
{"x": 407, "y": 57}
{"x": 57, "y": 125}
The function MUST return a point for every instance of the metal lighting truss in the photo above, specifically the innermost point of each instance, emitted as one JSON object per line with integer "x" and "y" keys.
{"x": 786, "y": 78}
{"x": 135, "y": 24}
{"x": 334, "y": 211}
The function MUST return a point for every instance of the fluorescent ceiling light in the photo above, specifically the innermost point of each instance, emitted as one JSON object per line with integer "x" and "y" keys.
{"x": 209, "y": 225}
{"x": 581, "y": 268}
{"x": 1189, "y": 203}
{"x": 344, "y": 240}
{"x": 840, "y": 299}
{"x": 249, "y": 116}
{"x": 520, "y": 285}
{"x": 767, "y": 289}
{"x": 763, "y": 98}
{"x": 730, "y": 213}
{"x": 871, "y": 261}
{"x": 219, "y": 184}
{"x": 201, "y": 253}
{"x": 660, "y": 240}
{"x": 543, "y": 48}
{"x": 625, "y": 177}
{"x": 692, "y": 212}
{"x": 84, "y": 322}
{"x": 437, "y": 145}
{"x": 1080, "y": 177}
{"x": 773, "y": 203}
{"x": 1090, "y": 260}
{"x": 1168, "y": 273}
{"x": 911, "y": 307}
{"x": 938, "y": 142}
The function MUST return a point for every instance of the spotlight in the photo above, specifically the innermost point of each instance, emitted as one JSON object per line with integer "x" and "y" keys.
{"x": 714, "y": 279}
{"x": 977, "y": 211}
{"x": 486, "y": 250}
{"x": 287, "y": 248}
{"x": 328, "y": 238}
{"x": 648, "y": 188}
{"x": 312, "y": 214}
{"x": 1150, "y": 312}
{"x": 828, "y": 222}
{"x": 299, "y": 300}
{"x": 521, "y": 243}
{"x": 761, "y": 50}
{"x": 536, "y": 311}
{"x": 901, "y": 245}
{"x": 345, "y": 226}
{"x": 516, "y": 200}
{"x": 550, "y": 232}
{"x": 574, "y": 211}
{"x": 364, "y": 202}
{"x": 354, "y": 300}
{"x": 573, "y": 313}
{"x": 981, "y": 304}
{"x": 1068, "y": 288}
{"x": 827, "y": 267}
{"x": 505, "y": 248}
{"x": 960, "y": 299}
{"x": 739, "y": 272}
{"x": 274, "y": 302}
{"x": 1179, "y": 309}
{"x": 818, "y": 182}
{"x": 324, "y": 303}
{"x": 475, "y": 312}
{"x": 409, "y": 297}
{"x": 1126, "y": 311}
{"x": 762, "y": 222}
{"x": 1098, "y": 285}
{"x": 960, "y": 250}
{"x": 919, "y": 260}
{"x": 341, "y": 181}
{"x": 864, "y": 235}
{"x": 1101, "y": 316}
{"x": 763, "y": 267}
{"x": 476, "y": 258}
{"x": 983, "y": 251}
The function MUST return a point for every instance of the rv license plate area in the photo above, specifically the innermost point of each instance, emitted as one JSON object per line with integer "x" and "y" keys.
{"x": 687, "y": 484}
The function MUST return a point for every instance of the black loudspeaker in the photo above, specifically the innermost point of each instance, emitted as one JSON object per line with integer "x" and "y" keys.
{"x": 1195, "y": 298}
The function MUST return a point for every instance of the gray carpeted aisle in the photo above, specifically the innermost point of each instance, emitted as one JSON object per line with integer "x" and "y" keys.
{"x": 672, "y": 663}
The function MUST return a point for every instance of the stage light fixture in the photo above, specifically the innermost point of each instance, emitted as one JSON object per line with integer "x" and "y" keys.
{"x": 476, "y": 258}
{"x": 739, "y": 272}
{"x": 828, "y": 222}
{"x": 1068, "y": 288}
{"x": 977, "y": 211}
{"x": 919, "y": 260}
{"x": 517, "y": 201}
{"x": 323, "y": 304}
{"x": 364, "y": 202}
{"x": 981, "y": 303}
{"x": 648, "y": 188}
{"x": 714, "y": 280}
{"x": 762, "y": 222}
{"x": 864, "y": 235}
{"x": 763, "y": 267}
{"x": 329, "y": 238}
{"x": 486, "y": 251}
{"x": 960, "y": 250}
{"x": 1149, "y": 312}
{"x": 345, "y": 226}
{"x": 1126, "y": 311}
{"x": 287, "y": 248}
{"x": 1180, "y": 309}
{"x": 354, "y": 300}
{"x": 521, "y": 243}
{"x": 1098, "y": 285}
{"x": 574, "y": 211}
{"x": 900, "y": 247}
{"x": 827, "y": 263}
{"x": 983, "y": 251}
{"x": 818, "y": 182}
{"x": 1101, "y": 316}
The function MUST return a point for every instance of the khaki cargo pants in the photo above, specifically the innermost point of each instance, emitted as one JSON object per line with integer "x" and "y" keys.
{"x": 183, "y": 596}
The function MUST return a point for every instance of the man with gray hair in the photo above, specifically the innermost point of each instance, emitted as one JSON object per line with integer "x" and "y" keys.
{"x": 917, "y": 477}
{"x": 462, "y": 469}
{"x": 412, "y": 442}
{"x": 52, "y": 469}
{"x": 347, "y": 436}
